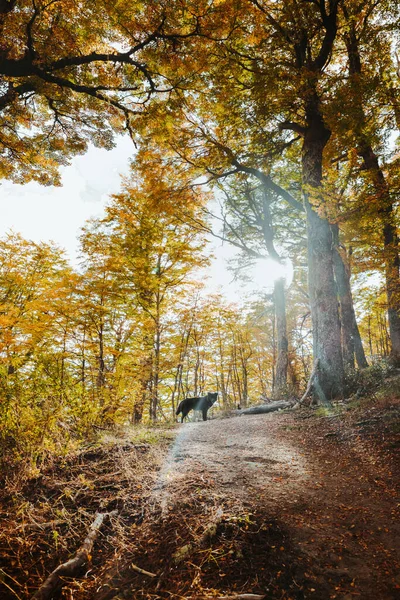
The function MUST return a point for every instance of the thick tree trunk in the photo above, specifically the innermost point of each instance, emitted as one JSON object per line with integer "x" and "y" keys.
{"x": 390, "y": 244}
{"x": 273, "y": 324}
{"x": 322, "y": 288}
{"x": 386, "y": 209}
{"x": 244, "y": 359}
{"x": 282, "y": 340}
{"x": 236, "y": 387}
{"x": 351, "y": 339}
{"x": 154, "y": 399}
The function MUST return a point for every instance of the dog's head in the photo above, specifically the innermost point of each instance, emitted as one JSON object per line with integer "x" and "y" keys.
{"x": 212, "y": 397}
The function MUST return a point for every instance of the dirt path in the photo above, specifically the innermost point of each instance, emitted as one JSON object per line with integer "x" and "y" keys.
{"x": 293, "y": 506}
{"x": 238, "y": 460}
{"x": 294, "y": 517}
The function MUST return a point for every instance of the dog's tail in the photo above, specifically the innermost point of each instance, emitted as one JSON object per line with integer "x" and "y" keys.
{"x": 179, "y": 409}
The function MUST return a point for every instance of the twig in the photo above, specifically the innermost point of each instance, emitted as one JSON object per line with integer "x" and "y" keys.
{"x": 231, "y": 597}
{"x": 72, "y": 567}
{"x": 41, "y": 526}
{"x": 142, "y": 571}
{"x": 242, "y": 597}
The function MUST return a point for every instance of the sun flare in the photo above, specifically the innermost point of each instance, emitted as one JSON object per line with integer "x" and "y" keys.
{"x": 265, "y": 271}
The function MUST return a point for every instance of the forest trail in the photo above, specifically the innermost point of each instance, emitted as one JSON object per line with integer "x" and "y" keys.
{"x": 233, "y": 461}
{"x": 291, "y": 506}
{"x": 267, "y": 505}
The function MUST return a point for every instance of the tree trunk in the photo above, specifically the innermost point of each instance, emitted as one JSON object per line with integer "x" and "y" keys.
{"x": 101, "y": 368}
{"x": 223, "y": 383}
{"x": 196, "y": 371}
{"x": 322, "y": 289}
{"x": 391, "y": 248}
{"x": 282, "y": 340}
{"x": 262, "y": 409}
{"x": 351, "y": 339}
{"x": 281, "y": 364}
{"x": 146, "y": 368}
{"x": 154, "y": 397}
{"x": 156, "y": 376}
{"x": 244, "y": 360}
{"x": 273, "y": 324}
{"x": 386, "y": 208}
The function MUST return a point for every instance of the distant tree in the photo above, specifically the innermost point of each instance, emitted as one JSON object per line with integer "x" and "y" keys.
{"x": 158, "y": 252}
{"x": 35, "y": 286}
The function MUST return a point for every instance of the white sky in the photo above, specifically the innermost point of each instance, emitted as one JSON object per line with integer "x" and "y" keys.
{"x": 57, "y": 213}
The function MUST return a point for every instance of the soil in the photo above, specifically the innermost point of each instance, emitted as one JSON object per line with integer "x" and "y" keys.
{"x": 286, "y": 505}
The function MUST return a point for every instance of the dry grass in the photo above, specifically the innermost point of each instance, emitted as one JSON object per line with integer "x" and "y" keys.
{"x": 45, "y": 517}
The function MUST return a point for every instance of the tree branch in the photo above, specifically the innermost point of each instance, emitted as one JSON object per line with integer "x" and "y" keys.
{"x": 289, "y": 125}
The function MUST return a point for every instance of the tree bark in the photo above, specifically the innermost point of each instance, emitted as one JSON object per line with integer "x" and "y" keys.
{"x": 351, "y": 339}
{"x": 154, "y": 400}
{"x": 282, "y": 341}
{"x": 100, "y": 379}
{"x": 322, "y": 288}
{"x": 391, "y": 249}
{"x": 281, "y": 364}
{"x": 314, "y": 384}
{"x": 146, "y": 368}
{"x": 386, "y": 210}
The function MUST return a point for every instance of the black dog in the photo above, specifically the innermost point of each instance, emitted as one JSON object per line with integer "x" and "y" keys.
{"x": 202, "y": 403}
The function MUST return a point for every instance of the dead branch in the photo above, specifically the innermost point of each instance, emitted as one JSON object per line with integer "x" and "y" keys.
{"x": 310, "y": 382}
{"x": 142, "y": 571}
{"x": 206, "y": 539}
{"x": 210, "y": 531}
{"x": 73, "y": 566}
{"x": 242, "y": 597}
{"x": 231, "y": 597}
{"x": 41, "y": 526}
{"x": 313, "y": 383}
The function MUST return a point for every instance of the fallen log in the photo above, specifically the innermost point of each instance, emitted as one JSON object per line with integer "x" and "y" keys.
{"x": 265, "y": 408}
{"x": 74, "y": 566}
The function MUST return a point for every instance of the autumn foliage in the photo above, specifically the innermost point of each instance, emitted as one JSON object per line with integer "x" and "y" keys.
{"x": 272, "y": 125}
